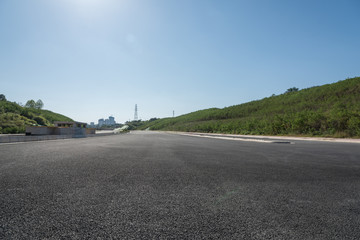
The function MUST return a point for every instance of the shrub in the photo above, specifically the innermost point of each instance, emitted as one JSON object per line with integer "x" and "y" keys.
{"x": 41, "y": 120}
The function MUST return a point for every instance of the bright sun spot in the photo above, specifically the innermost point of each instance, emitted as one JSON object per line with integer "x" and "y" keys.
{"x": 88, "y": 2}
{"x": 91, "y": 8}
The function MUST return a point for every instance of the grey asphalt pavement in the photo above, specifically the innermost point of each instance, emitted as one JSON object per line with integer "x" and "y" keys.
{"x": 149, "y": 185}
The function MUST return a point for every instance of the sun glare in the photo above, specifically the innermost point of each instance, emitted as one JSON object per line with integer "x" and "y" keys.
{"x": 91, "y": 8}
{"x": 89, "y": 2}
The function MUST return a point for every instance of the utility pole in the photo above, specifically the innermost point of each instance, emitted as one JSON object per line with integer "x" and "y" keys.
{"x": 173, "y": 113}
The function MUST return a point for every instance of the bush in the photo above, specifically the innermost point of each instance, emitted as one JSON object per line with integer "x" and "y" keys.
{"x": 354, "y": 126}
{"x": 41, "y": 120}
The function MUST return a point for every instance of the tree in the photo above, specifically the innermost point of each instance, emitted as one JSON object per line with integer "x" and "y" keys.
{"x": 30, "y": 104}
{"x": 153, "y": 119}
{"x": 293, "y": 89}
{"x": 2, "y": 97}
{"x": 39, "y": 104}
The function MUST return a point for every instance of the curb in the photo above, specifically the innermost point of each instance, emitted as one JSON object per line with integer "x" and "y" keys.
{"x": 23, "y": 138}
{"x": 270, "y": 138}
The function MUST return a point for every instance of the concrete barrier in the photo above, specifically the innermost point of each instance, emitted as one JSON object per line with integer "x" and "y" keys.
{"x": 23, "y": 138}
{"x": 4, "y": 139}
{"x": 20, "y": 138}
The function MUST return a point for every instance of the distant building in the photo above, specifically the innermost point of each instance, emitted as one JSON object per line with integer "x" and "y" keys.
{"x": 112, "y": 120}
{"x": 101, "y": 122}
{"x": 92, "y": 125}
{"x": 109, "y": 122}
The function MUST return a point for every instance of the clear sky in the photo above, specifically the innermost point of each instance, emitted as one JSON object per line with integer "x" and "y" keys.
{"x": 89, "y": 59}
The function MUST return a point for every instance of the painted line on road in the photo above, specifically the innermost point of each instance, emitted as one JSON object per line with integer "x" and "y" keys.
{"x": 238, "y": 139}
{"x": 277, "y": 139}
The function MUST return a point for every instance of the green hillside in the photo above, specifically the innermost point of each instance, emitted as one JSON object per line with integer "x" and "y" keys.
{"x": 14, "y": 118}
{"x": 328, "y": 110}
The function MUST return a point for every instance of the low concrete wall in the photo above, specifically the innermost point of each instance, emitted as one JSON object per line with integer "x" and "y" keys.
{"x": 40, "y": 131}
{"x": 17, "y": 138}
{"x": 34, "y": 130}
{"x": 22, "y": 138}
{"x": 90, "y": 131}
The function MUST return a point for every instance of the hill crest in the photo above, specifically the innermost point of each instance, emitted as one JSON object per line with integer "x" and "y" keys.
{"x": 327, "y": 110}
{"x": 14, "y": 118}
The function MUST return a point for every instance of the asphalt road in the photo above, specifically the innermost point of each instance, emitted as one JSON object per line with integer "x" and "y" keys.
{"x": 148, "y": 185}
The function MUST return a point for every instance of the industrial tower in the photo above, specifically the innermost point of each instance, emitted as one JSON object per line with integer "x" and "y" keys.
{"x": 136, "y": 113}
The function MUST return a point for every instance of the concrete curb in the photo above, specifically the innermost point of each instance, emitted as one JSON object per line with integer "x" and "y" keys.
{"x": 23, "y": 138}
{"x": 253, "y": 137}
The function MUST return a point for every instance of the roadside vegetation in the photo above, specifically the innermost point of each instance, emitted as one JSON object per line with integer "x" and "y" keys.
{"x": 328, "y": 110}
{"x": 139, "y": 124}
{"x": 14, "y": 117}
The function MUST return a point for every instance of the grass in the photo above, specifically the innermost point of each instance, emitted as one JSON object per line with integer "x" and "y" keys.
{"x": 331, "y": 110}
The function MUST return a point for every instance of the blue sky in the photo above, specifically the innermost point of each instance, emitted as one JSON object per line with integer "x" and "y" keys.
{"x": 89, "y": 59}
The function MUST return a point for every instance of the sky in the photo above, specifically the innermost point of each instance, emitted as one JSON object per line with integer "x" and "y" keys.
{"x": 91, "y": 59}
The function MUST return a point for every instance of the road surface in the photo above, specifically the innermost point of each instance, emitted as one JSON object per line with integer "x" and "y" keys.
{"x": 149, "y": 185}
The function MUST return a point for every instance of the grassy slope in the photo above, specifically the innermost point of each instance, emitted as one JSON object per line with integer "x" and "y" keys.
{"x": 328, "y": 110}
{"x": 14, "y": 118}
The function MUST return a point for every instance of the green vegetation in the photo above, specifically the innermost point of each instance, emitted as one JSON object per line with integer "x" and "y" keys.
{"x": 328, "y": 110}
{"x": 32, "y": 104}
{"x": 14, "y": 118}
{"x": 139, "y": 124}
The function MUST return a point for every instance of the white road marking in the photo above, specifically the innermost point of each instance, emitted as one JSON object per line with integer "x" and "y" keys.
{"x": 236, "y": 138}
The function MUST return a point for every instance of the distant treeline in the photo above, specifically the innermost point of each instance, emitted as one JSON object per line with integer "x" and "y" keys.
{"x": 328, "y": 110}
{"x": 14, "y": 117}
